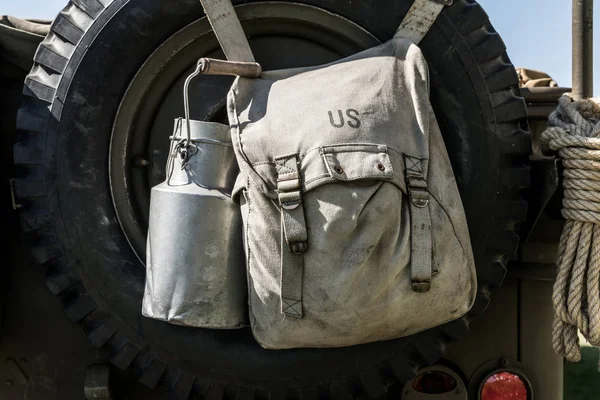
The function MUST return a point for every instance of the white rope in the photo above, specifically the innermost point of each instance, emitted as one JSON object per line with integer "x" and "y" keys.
{"x": 574, "y": 131}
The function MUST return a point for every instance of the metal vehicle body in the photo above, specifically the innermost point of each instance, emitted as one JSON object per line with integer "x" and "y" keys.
{"x": 45, "y": 356}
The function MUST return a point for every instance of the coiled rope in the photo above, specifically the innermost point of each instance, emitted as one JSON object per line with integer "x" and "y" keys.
{"x": 574, "y": 131}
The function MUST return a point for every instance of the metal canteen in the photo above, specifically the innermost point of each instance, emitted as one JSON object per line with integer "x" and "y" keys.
{"x": 195, "y": 265}
{"x": 195, "y": 271}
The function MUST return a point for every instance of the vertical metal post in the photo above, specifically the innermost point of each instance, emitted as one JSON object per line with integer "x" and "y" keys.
{"x": 583, "y": 26}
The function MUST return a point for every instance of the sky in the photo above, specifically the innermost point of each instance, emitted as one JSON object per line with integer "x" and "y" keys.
{"x": 537, "y": 33}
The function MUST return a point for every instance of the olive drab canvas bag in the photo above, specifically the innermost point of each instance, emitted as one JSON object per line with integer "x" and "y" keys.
{"x": 354, "y": 230}
{"x": 353, "y": 224}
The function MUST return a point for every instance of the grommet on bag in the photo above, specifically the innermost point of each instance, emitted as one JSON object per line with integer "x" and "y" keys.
{"x": 338, "y": 169}
{"x": 380, "y": 167}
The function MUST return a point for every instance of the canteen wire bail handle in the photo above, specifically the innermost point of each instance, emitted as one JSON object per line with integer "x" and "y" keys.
{"x": 212, "y": 66}
{"x": 185, "y": 147}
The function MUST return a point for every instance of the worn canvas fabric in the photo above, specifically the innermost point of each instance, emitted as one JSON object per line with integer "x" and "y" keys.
{"x": 353, "y": 224}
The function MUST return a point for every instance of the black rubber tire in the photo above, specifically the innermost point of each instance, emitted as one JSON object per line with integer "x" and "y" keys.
{"x": 71, "y": 95}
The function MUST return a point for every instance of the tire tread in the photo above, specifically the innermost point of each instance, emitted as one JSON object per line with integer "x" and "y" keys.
{"x": 52, "y": 60}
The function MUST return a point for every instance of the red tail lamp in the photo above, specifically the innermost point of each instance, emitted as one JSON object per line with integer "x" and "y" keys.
{"x": 504, "y": 385}
{"x": 435, "y": 382}
{"x": 500, "y": 379}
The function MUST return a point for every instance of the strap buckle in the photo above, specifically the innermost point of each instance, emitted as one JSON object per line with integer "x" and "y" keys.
{"x": 298, "y": 247}
{"x": 421, "y": 245}
{"x": 293, "y": 233}
{"x": 417, "y": 191}
{"x": 421, "y": 287}
{"x": 289, "y": 190}
{"x": 418, "y": 197}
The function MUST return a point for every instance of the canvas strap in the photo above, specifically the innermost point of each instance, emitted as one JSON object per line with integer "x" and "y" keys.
{"x": 419, "y": 19}
{"x": 421, "y": 249}
{"x": 227, "y": 28}
{"x": 226, "y": 25}
{"x": 294, "y": 237}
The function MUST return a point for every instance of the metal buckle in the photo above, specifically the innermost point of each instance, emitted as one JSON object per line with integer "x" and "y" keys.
{"x": 289, "y": 200}
{"x": 15, "y": 205}
{"x": 289, "y": 192}
{"x": 419, "y": 197}
{"x": 298, "y": 247}
{"x": 421, "y": 287}
{"x": 417, "y": 191}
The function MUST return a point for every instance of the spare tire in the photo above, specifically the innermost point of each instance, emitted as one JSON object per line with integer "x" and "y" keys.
{"x": 93, "y": 132}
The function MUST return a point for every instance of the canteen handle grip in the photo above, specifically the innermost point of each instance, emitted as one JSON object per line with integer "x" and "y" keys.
{"x": 212, "y": 66}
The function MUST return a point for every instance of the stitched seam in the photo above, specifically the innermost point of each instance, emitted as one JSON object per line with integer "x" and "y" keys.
{"x": 394, "y": 150}
{"x": 285, "y": 158}
{"x": 353, "y": 151}
{"x": 317, "y": 148}
{"x": 239, "y": 135}
{"x": 409, "y": 156}
{"x": 352, "y": 148}
{"x": 453, "y": 228}
{"x": 263, "y": 163}
{"x": 356, "y": 144}
{"x": 309, "y": 151}
{"x": 291, "y": 301}
{"x": 317, "y": 178}
{"x": 363, "y": 176}
{"x": 284, "y": 169}
{"x": 248, "y": 262}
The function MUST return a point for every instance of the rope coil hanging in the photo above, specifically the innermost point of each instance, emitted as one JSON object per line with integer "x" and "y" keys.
{"x": 574, "y": 132}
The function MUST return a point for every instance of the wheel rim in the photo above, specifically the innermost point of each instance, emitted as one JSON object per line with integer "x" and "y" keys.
{"x": 282, "y": 35}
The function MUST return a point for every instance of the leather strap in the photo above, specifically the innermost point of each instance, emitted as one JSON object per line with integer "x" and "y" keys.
{"x": 421, "y": 249}
{"x": 227, "y": 28}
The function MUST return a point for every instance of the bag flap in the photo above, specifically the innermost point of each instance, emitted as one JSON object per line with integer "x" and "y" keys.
{"x": 378, "y": 97}
{"x": 341, "y": 162}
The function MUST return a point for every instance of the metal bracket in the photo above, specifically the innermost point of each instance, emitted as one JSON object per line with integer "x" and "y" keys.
{"x": 545, "y": 180}
{"x": 421, "y": 287}
{"x": 15, "y": 205}
{"x": 96, "y": 384}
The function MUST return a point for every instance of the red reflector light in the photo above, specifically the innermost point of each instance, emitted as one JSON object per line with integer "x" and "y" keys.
{"x": 434, "y": 382}
{"x": 504, "y": 386}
